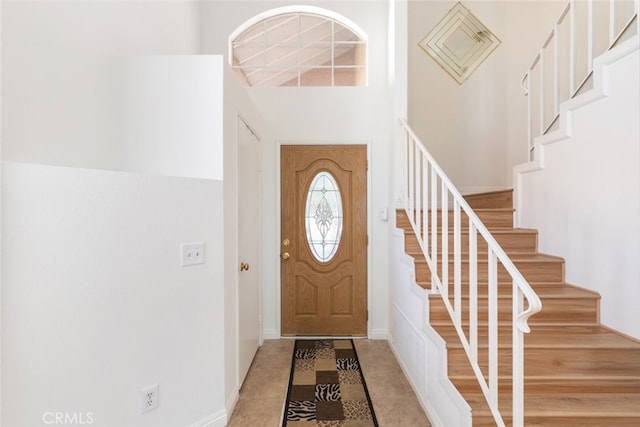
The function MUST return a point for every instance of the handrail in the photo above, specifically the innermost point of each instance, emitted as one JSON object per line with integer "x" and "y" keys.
{"x": 428, "y": 195}
{"x": 565, "y": 61}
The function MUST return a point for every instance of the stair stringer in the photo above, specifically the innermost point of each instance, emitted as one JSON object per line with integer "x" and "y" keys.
{"x": 419, "y": 349}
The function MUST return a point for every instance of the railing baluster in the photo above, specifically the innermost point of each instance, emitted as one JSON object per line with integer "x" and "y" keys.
{"x": 411, "y": 177}
{"x": 612, "y": 21}
{"x": 444, "y": 257}
{"x": 430, "y": 175}
{"x": 577, "y": 61}
{"x": 556, "y": 72}
{"x": 590, "y": 36}
{"x": 416, "y": 194}
{"x": 636, "y": 11}
{"x": 492, "y": 294}
{"x": 419, "y": 182}
{"x": 473, "y": 292}
{"x": 572, "y": 48}
{"x": 434, "y": 220}
{"x": 457, "y": 263}
{"x": 541, "y": 124}
{"x": 517, "y": 341}
{"x": 425, "y": 210}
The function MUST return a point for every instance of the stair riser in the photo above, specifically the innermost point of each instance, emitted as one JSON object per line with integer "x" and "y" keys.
{"x": 539, "y": 271}
{"x": 550, "y": 362}
{"x": 510, "y": 243}
{"x": 496, "y": 199}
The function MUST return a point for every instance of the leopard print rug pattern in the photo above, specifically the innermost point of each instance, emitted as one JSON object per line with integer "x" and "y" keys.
{"x": 326, "y": 387}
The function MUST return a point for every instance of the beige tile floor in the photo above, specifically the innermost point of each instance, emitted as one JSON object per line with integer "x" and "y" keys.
{"x": 262, "y": 395}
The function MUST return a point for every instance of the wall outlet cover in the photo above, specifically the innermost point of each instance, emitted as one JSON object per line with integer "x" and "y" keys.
{"x": 149, "y": 398}
{"x": 192, "y": 253}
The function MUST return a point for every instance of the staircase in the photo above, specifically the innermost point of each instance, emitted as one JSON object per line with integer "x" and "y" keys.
{"x": 577, "y": 373}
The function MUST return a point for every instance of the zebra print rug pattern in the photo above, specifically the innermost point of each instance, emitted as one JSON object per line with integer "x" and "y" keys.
{"x": 326, "y": 386}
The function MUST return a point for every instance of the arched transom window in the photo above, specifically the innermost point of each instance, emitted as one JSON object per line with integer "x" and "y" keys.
{"x": 299, "y": 48}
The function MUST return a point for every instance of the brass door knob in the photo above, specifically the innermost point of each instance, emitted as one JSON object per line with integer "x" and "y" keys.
{"x": 285, "y": 255}
{"x": 244, "y": 266}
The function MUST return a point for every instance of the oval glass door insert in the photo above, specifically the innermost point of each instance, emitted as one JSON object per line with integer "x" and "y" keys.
{"x": 323, "y": 217}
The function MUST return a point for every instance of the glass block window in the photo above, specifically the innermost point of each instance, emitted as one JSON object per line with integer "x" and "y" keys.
{"x": 299, "y": 49}
{"x": 323, "y": 217}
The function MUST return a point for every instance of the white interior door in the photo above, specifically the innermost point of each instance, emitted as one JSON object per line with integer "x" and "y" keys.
{"x": 249, "y": 307}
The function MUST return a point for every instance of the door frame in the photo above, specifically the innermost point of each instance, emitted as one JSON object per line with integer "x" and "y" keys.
{"x": 278, "y": 228}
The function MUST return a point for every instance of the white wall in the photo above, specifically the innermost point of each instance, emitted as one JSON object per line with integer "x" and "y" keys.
{"x": 475, "y": 130}
{"x": 398, "y": 78}
{"x": 95, "y": 303}
{"x": 583, "y": 194}
{"x": 59, "y": 62}
{"x": 323, "y": 115}
{"x": 170, "y": 110}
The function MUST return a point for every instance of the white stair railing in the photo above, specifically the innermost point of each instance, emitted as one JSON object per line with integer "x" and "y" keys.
{"x": 429, "y": 197}
{"x": 585, "y": 30}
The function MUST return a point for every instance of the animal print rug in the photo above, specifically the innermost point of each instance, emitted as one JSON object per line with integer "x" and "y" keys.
{"x": 326, "y": 386}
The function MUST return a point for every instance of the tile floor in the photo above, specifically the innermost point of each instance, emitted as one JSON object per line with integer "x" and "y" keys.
{"x": 260, "y": 403}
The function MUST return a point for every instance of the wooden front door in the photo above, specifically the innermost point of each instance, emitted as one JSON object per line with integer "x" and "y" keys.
{"x": 324, "y": 240}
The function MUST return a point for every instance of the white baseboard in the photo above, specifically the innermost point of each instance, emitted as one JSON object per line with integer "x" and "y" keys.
{"x": 231, "y": 402}
{"x": 218, "y": 419}
{"x": 270, "y": 334}
{"x": 378, "y": 334}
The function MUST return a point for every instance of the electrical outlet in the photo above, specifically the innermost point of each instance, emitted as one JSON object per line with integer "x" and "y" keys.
{"x": 149, "y": 398}
{"x": 191, "y": 253}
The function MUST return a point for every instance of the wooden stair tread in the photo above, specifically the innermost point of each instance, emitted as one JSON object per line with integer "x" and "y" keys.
{"x": 543, "y": 290}
{"x": 567, "y": 337}
{"x": 516, "y": 258}
{"x": 401, "y": 211}
{"x": 498, "y": 231}
{"x": 550, "y": 288}
{"x": 516, "y": 230}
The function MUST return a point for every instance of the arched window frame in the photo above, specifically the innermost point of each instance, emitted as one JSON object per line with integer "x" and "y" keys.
{"x": 309, "y": 10}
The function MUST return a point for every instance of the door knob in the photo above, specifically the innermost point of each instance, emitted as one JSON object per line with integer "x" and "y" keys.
{"x": 285, "y": 256}
{"x": 244, "y": 266}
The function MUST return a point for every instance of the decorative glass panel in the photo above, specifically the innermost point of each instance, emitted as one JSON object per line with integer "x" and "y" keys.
{"x": 302, "y": 44}
{"x": 323, "y": 216}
